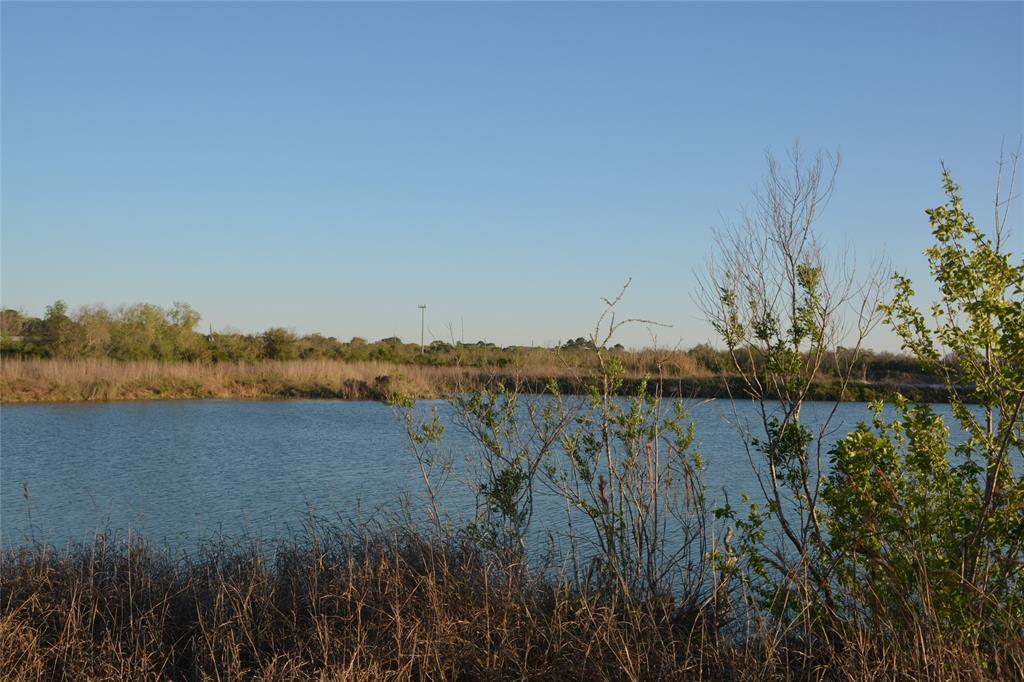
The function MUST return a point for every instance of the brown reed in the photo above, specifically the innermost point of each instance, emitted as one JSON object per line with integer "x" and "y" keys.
{"x": 56, "y": 380}
{"x": 394, "y": 604}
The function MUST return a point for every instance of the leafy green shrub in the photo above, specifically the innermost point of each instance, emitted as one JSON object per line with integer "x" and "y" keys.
{"x": 919, "y": 525}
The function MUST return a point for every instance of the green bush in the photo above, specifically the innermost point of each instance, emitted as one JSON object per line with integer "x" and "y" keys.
{"x": 916, "y": 523}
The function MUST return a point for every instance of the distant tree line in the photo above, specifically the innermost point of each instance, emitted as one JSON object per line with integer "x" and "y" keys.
{"x": 145, "y": 331}
{"x": 150, "y": 332}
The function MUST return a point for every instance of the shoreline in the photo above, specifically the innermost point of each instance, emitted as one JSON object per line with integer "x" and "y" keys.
{"x": 50, "y": 382}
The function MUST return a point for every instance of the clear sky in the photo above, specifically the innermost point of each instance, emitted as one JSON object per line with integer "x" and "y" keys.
{"x": 329, "y": 166}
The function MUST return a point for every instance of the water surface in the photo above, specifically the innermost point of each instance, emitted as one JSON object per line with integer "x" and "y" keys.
{"x": 179, "y": 471}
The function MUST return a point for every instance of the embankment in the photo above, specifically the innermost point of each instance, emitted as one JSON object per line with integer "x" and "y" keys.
{"x": 27, "y": 381}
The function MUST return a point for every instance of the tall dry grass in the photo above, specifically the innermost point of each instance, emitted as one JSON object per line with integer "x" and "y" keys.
{"x": 46, "y": 380}
{"x": 100, "y": 379}
{"x": 549, "y": 363}
{"x": 392, "y": 604}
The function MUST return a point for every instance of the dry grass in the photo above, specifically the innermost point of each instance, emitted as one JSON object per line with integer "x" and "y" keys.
{"x": 395, "y": 605}
{"x": 64, "y": 380}
{"x": 35, "y": 380}
{"x": 547, "y": 363}
{"x": 39, "y": 380}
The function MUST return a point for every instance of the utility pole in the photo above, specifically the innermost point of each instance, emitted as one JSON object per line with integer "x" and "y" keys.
{"x": 423, "y": 323}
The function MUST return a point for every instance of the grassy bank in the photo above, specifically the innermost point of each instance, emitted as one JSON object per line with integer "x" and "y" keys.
{"x": 42, "y": 380}
{"x": 393, "y": 604}
{"x": 80, "y": 380}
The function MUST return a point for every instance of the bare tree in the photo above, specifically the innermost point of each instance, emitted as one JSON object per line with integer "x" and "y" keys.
{"x": 1007, "y": 164}
{"x": 787, "y": 310}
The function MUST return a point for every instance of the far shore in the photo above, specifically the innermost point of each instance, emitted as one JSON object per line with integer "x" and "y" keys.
{"x": 66, "y": 381}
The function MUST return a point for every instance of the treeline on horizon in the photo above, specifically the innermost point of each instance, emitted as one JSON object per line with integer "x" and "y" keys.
{"x": 145, "y": 331}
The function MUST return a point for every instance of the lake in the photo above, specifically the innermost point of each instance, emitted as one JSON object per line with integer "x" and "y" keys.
{"x": 182, "y": 471}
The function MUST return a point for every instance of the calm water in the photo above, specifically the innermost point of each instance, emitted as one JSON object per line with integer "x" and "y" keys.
{"x": 182, "y": 471}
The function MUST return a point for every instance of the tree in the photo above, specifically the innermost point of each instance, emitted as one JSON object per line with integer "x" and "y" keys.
{"x": 188, "y": 344}
{"x": 624, "y": 470}
{"x": 60, "y": 333}
{"x": 783, "y": 307}
{"x": 919, "y": 524}
{"x": 909, "y": 530}
{"x": 96, "y": 325}
{"x": 12, "y": 322}
{"x": 17, "y": 331}
{"x": 141, "y": 334}
{"x": 280, "y": 344}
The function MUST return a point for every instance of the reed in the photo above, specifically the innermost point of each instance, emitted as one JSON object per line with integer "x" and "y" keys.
{"x": 392, "y": 603}
{"x": 53, "y": 380}
{"x": 36, "y": 380}
{"x": 61, "y": 380}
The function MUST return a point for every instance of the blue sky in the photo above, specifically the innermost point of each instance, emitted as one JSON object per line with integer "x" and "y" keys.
{"x": 329, "y": 166}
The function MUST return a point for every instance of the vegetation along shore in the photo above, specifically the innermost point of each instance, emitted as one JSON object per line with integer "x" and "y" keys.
{"x": 56, "y": 380}
{"x": 895, "y": 560}
{"x": 145, "y": 352}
